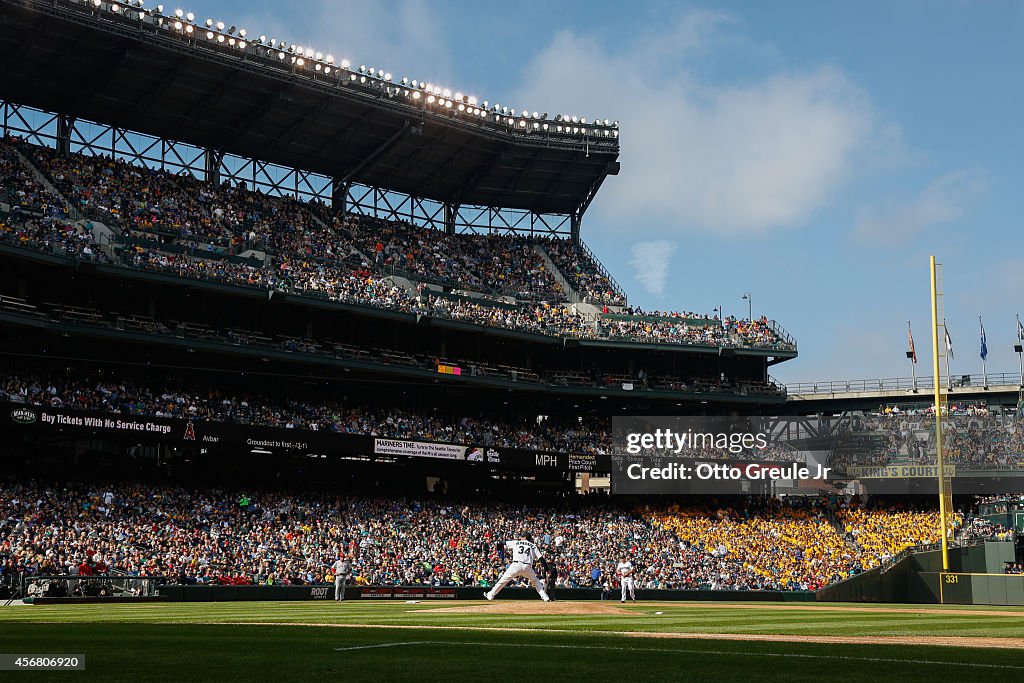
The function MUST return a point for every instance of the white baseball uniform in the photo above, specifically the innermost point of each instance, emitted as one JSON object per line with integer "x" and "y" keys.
{"x": 342, "y": 571}
{"x": 524, "y": 554}
{"x": 625, "y": 572}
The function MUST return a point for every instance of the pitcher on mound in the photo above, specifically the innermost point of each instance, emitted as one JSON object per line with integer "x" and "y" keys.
{"x": 524, "y": 554}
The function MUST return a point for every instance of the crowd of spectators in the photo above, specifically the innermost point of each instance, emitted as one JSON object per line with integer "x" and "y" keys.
{"x": 509, "y": 265}
{"x": 122, "y": 396}
{"x": 780, "y": 546}
{"x": 20, "y": 189}
{"x": 542, "y": 318}
{"x": 51, "y": 236}
{"x": 175, "y": 223}
{"x": 111, "y": 392}
{"x": 274, "y": 537}
{"x": 883, "y": 534}
{"x": 502, "y": 265}
{"x": 583, "y": 273}
{"x": 680, "y": 330}
{"x": 116, "y": 393}
{"x": 974, "y": 438}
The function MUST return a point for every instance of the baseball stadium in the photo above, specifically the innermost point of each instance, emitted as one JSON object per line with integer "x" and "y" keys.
{"x": 307, "y": 370}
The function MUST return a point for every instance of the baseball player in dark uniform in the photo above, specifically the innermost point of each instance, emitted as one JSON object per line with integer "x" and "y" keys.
{"x": 550, "y": 572}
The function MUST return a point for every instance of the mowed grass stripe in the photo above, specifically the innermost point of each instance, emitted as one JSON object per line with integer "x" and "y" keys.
{"x": 639, "y": 618}
{"x": 683, "y": 650}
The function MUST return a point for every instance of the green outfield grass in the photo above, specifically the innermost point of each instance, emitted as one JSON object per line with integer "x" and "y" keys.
{"x": 265, "y": 641}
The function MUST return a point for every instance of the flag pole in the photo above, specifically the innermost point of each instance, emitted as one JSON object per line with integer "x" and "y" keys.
{"x": 938, "y": 421}
{"x": 984, "y": 352}
{"x": 1019, "y": 348}
{"x": 912, "y": 355}
{"x": 949, "y": 377}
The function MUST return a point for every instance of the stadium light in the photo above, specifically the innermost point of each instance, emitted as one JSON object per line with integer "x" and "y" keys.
{"x": 233, "y": 37}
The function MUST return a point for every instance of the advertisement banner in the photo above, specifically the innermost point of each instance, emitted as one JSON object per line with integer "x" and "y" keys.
{"x": 898, "y": 471}
{"x": 181, "y": 431}
{"x": 419, "y": 449}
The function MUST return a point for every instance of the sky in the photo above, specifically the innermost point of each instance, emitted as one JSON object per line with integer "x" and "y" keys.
{"x": 813, "y": 154}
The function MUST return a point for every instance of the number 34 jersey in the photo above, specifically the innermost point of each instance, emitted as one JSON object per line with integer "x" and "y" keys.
{"x": 523, "y": 551}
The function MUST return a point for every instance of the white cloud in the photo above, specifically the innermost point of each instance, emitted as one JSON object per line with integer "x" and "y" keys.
{"x": 651, "y": 261}
{"x": 696, "y": 155}
{"x": 941, "y": 202}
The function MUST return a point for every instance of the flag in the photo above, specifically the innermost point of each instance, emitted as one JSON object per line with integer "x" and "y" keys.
{"x": 910, "y": 340}
{"x": 1020, "y": 331}
{"x": 949, "y": 342}
{"x": 984, "y": 344}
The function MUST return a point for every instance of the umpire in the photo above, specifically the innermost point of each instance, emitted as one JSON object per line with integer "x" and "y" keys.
{"x": 550, "y": 572}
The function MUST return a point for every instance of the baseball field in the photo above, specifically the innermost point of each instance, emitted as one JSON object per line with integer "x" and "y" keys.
{"x": 512, "y": 640}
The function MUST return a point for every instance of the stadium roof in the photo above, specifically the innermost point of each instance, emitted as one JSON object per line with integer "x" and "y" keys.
{"x": 83, "y": 60}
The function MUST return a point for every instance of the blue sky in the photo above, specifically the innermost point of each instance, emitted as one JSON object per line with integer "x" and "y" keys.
{"x": 812, "y": 153}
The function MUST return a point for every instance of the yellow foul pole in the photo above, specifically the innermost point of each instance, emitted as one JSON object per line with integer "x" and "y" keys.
{"x": 943, "y": 512}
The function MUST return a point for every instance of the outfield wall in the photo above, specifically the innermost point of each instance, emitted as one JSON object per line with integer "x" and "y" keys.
{"x": 975, "y": 577}
{"x": 287, "y": 593}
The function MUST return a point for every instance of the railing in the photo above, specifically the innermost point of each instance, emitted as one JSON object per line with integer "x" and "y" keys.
{"x": 779, "y": 387}
{"x": 782, "y": 334}
{"x": 394, "y": 270}
{"x": 927, "y": 547}
{"x": 604, "y": 271}
{"x": 114, "y": 584}
{"x": 923, "y": 383}
{"x": 285, "y": 285}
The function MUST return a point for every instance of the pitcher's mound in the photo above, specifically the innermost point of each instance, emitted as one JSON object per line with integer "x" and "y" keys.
{"x": 536, "y": 607}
